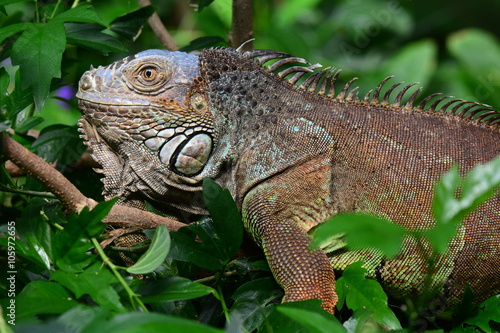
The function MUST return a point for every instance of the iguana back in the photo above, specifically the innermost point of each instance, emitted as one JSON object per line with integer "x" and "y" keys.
{"x": 292, "y": 155}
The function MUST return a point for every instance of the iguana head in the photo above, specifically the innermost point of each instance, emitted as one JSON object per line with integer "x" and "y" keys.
{"x": 149, "y": 105}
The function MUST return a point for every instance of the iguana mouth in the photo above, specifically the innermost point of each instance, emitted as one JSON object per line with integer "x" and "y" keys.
{"x": 185, "y": 149}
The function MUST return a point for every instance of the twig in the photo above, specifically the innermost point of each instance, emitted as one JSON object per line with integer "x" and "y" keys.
{"x": 159, "y": 29}
{"x": 242, "y": 26}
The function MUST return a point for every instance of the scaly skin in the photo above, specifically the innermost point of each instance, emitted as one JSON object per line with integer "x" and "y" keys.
{"x": 292, "y": 156}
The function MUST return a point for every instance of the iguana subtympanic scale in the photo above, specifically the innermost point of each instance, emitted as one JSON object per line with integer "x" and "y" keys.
{"x": 293, "y": 154}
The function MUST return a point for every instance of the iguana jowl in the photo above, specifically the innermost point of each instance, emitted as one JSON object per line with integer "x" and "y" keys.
{"x": 292, "y": 155}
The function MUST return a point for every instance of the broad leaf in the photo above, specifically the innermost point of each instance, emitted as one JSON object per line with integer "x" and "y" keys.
{"x": 252, "y": 300}
{"x": 314, "y": 321}
{"x": 36, "y": 235}
{"x": 90, "y": 35}
{"x": 156, "y": 253}
{"x": 202, "y": 43}
{"x": 448, "y": 210}
{"x": 359, "y": 292}
{"x": 489, "y": 311}
{"x": 220, "y": 237}
{"x": 94, "y": 281}
{"x": 173, "y": 289}
{"x": 129, "y": 26}
{"x": 25, "y": 124}
{"x": 225, "y": 214}
{"x": 59, "y": 143}
{"x": 280, "y": 322}
{"x": 72, "y": 243}
{"x": 361, "y": 231}
{"x": 137, "y": 322}
{"x": 12, "y": 29}
{"x": 82, "y": 13}
{"x": 468, "y": 47}
{"x": 43, "y": 297}
{"x": 38, "y": 52}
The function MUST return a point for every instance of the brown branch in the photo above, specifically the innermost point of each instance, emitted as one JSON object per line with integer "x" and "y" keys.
{"x": 159, "y": 29}
{"x": 242, "y": 25}
{"x": 54, "y": 181}
{"x": 71, "y": 197}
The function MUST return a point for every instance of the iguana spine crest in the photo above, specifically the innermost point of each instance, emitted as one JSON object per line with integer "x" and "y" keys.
{"x": 323, "y": 83}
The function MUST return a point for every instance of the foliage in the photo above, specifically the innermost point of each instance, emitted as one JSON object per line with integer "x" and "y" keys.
{"x": 65, "y": 281}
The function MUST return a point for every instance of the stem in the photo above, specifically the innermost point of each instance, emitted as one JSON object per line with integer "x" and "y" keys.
{"x": 221, "y": 297}
{"x": 55, "y": 9}
{"x": 27, "y": 192}
{"x": 75, "y": 4}
{"x": 37, "y": 13}
{"x": 213, "y": 277}
{"x": 57, "y": 225}
{"x": 134, "y": 298}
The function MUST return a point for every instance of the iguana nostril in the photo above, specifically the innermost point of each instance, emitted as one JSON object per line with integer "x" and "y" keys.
{"x": 85, "y": 82}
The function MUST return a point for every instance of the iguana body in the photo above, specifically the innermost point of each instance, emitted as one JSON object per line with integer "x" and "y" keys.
{"x": 292, "y": 156}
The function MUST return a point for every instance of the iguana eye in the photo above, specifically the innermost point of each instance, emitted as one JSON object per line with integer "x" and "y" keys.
{"x": 149, "y": 74}
{"x": 149, "y": 77}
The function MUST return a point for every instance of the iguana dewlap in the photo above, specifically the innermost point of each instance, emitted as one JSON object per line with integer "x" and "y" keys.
{"x": 292, "y": 155}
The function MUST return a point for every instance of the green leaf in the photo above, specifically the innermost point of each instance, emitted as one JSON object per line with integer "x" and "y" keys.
{"x": 137, "y": 322}
{"x": 94, "y": 281}
{"x": 314, "y": 321}
{"x": 489, "y": 311}
{"x": 220, "y": 237}
{"x": 155, "y": 255}
{"x": 8, "y": 2}
{"x": 130, "y": 25}
{"x": 416, "y": 62}
{"x": 43, "y": 297}
{"x": 90, "y": 35}
{"x": 202, "y": 4}
{"x": 225, "y": 214}
{"x": 278, "y": 322}
{"x": 12, "y": 29}
{"x": 59, "y": 143}
{"x": 477, "y": 186}
{"x": 292, "y": 9}
{"x": 252, "y": 300}
{"x": 82, "y": 13}
{"x": 360, "y": 293}
{"x": 202, "y": 43}
{"x": 36, "y": 235}
{"x": 469, "y": 48}
{"x": 72, "y": 243}
{"x": 78, "y": 318}
{"x": 28, "y": 123}
{"x": 361, "y": 231}
{"x": 173, "y": 289}
{"x": 38, "y": 52}
{"x": 207, "y": 253}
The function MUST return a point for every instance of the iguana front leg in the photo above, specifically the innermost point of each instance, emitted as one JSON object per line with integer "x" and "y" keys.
{"x": 278, "y": 218}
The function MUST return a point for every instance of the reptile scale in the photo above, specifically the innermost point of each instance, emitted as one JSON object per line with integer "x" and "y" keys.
{"x": 293, "y": 154}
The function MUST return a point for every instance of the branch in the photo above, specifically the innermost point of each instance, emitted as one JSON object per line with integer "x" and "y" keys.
{"x": 242, "y": 26}
{"x": 71, "y": 197}
{"x": 54, "y": 181}
{"x": 159, "y": 29}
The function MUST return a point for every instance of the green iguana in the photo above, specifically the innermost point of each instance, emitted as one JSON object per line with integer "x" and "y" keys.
{"x": 292, "y": 155}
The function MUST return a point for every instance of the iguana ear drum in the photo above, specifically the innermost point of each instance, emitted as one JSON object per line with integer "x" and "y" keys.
{"x": 187, "y": 155}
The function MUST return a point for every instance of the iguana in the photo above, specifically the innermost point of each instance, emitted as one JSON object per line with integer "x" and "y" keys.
{"x": 269, "y": 127}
